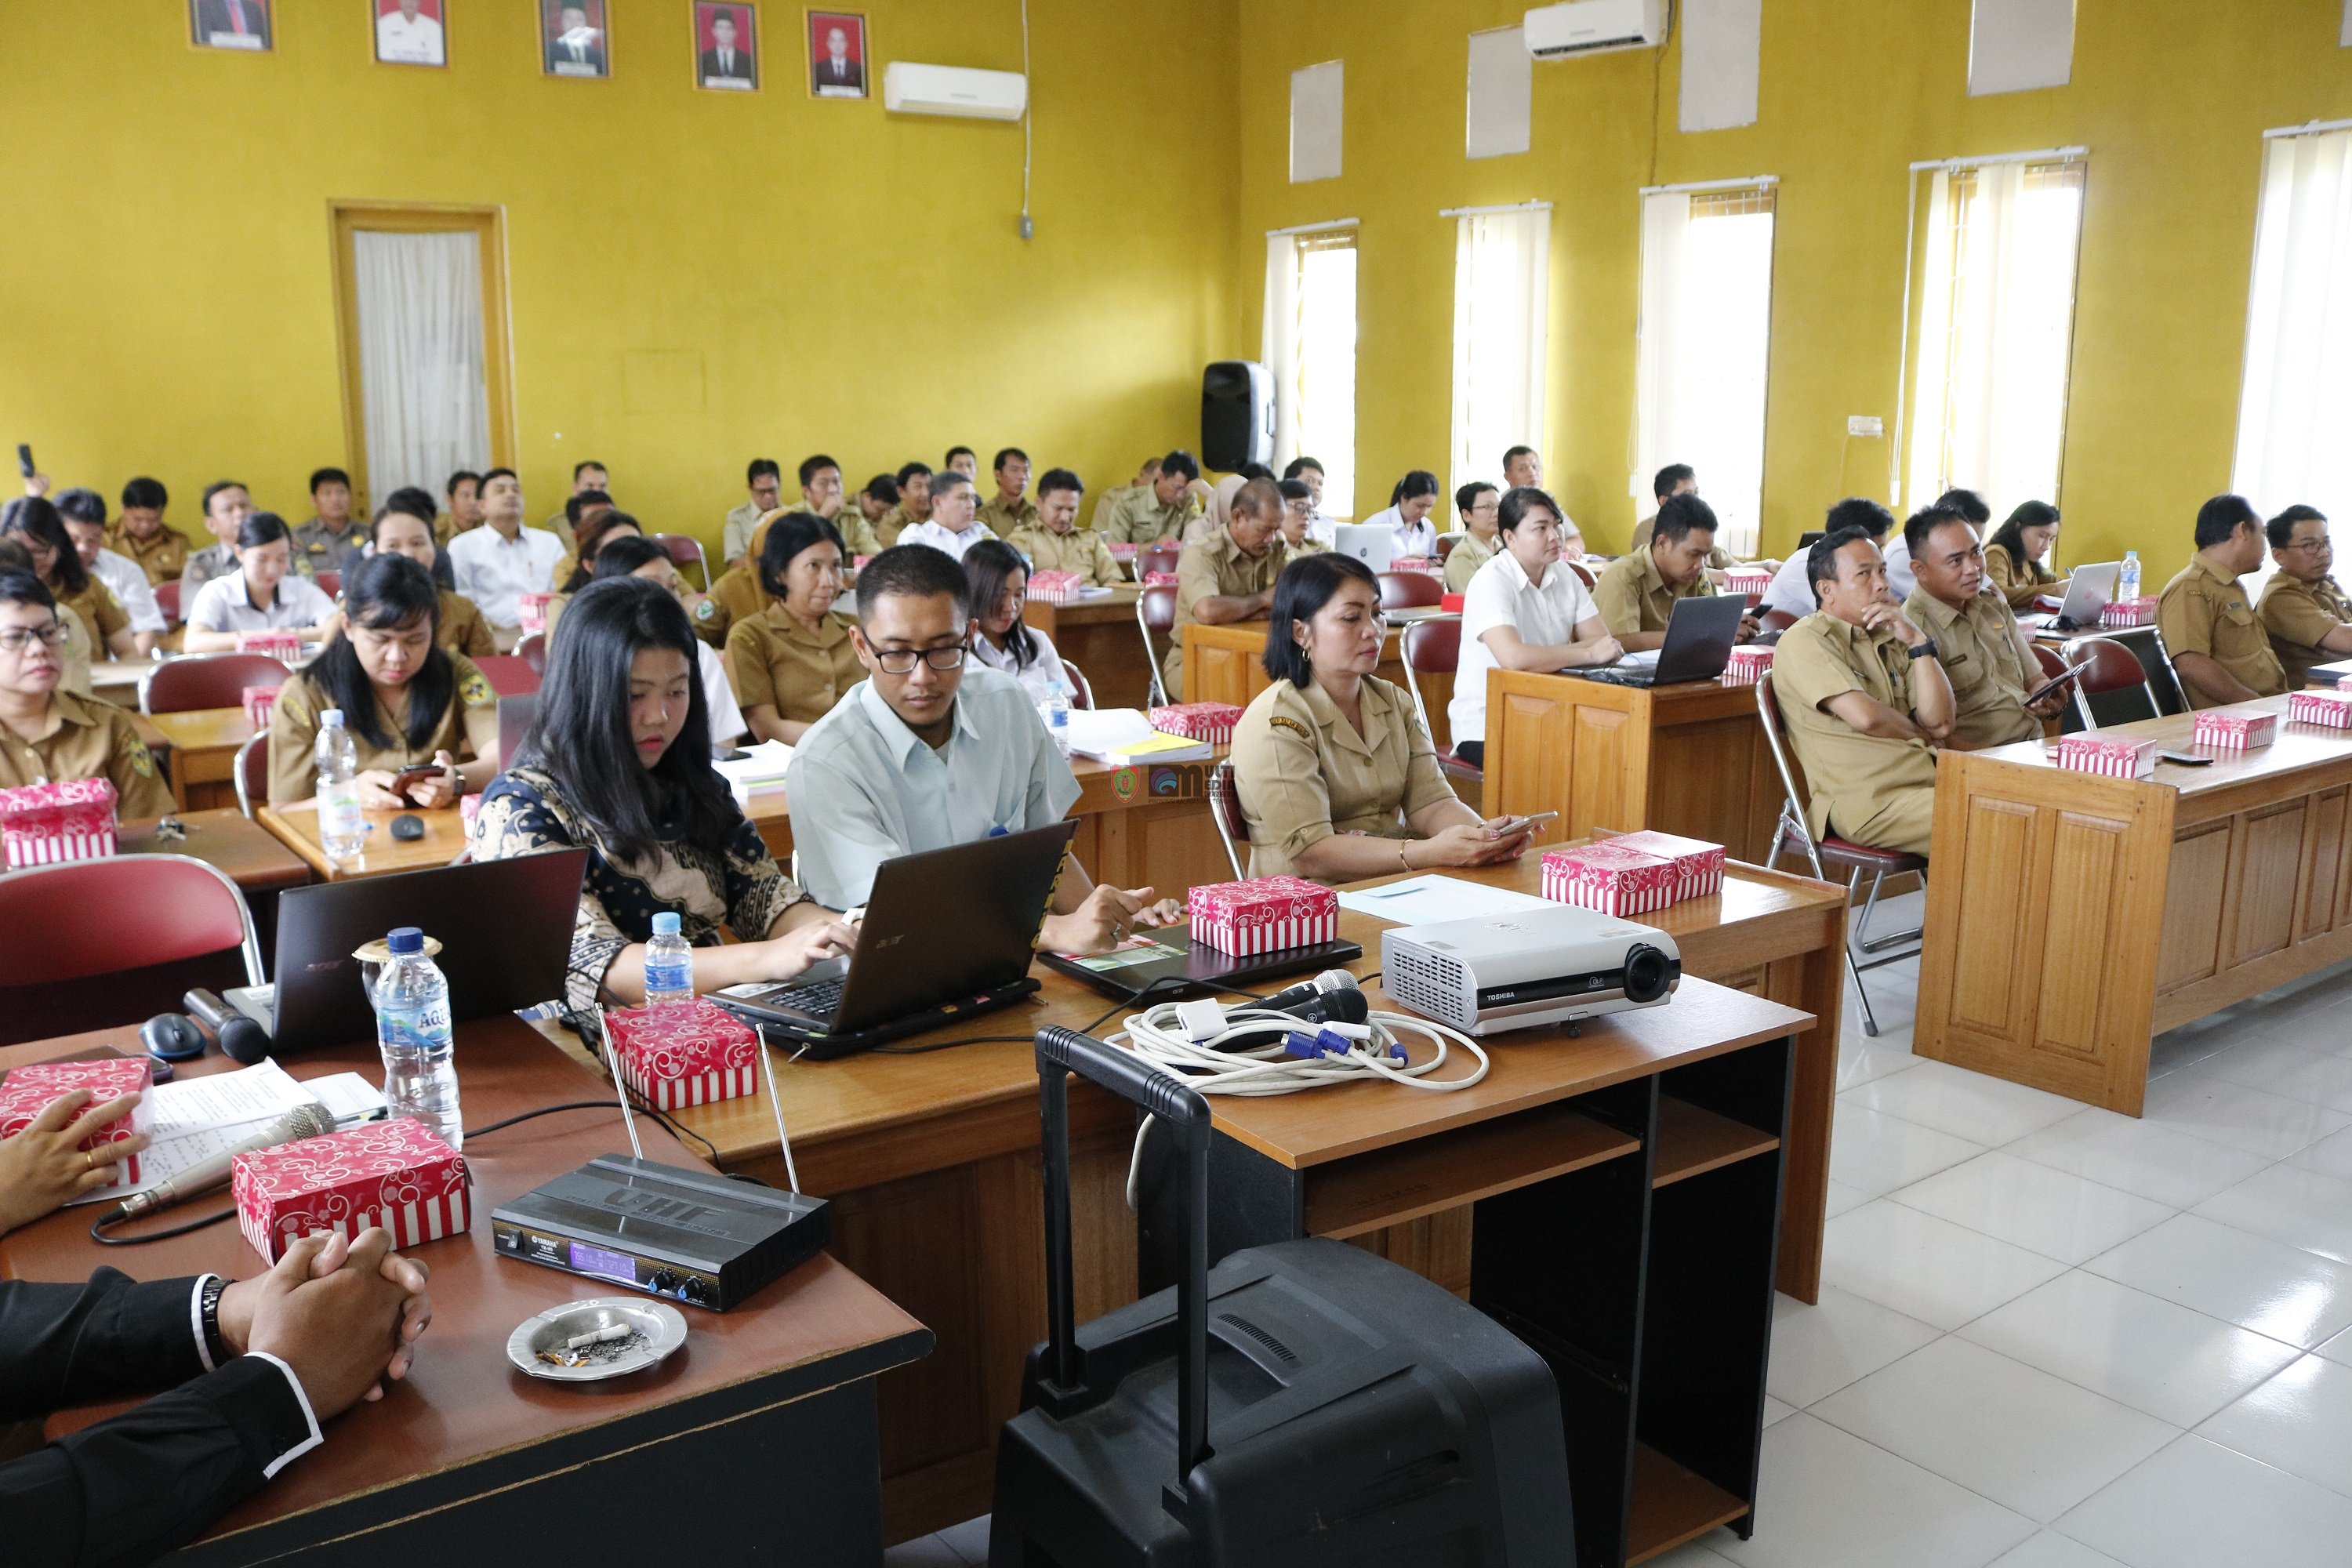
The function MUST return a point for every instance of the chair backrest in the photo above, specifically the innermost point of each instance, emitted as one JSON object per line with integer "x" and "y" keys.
{"x": 1155, "y": 612}
{"x": 508, "y": 674}
{"x": 1410, "y": 590}
{"x": 2115, "y": 686}
{"x": 1792, "y": 790}
{"x": 251, "y": 773}
{"x": 685, "y": 550}
{"x": 1082, "y": 691}
{"x": 1778, "y": 620}
{"x": 1584, "y": 574}
{"x": 1161, "y": 557}
{"x": 2076, "y": 716}
{"x": 1431, "y": 646}
{"x": 167, "y": 599}
{"x": 2163, "y": 679}
{"x": 1225, "y": 810}
{"x": 207, "y": 680}
{"x": 330, "y": 583}
{"x": 532, "y": 651}
{"x": 1445, "y": 543}
{"x": 155, "y": 926}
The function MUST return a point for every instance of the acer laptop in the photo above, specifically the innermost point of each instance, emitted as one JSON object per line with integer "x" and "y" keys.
{"x": 1700, "y": 636}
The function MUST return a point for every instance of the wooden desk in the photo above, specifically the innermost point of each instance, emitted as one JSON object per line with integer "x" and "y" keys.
{"x": 1689, "y": 758}
{"x": 119, "y": 680}
{"x": 470, "y": 1461}
{"x": 202, "y": 759}
{"x": 1102, "y": 639}
{"x": 297, "y": 826}
{"x": 1226, "y": 664}
{"x": 252, "y": 856}
{"x": 2073, "y": 916}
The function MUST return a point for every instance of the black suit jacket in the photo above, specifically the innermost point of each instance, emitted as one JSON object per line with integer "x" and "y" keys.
{"x": 744, "y": 68}
{"x": 851, "y": 73}
{"x": 212, "y": 16}
{"x": 151, "y": 1478}
{"x": 558, "y": 53}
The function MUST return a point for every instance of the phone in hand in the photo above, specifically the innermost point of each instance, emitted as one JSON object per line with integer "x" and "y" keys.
{"x": 408, "y": 778}
{"x": 1511, "y": 826}
{"x": 2074, "y": 673}
{"x": 25, "y": 458}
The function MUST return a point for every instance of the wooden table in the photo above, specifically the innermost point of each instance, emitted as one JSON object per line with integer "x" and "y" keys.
{"x": 119, "y": 680}
{"x": 297, "y": 826}
{"x": 202, "y": 759}
{"x": 472, "y": 1461}
{"x": 931, "y": 1162}
{"x": 254, "y": 859}
{"x": 1101, "y": 637}
{"x": 1227, "y": 664}
{"x": 1690, "y": 758}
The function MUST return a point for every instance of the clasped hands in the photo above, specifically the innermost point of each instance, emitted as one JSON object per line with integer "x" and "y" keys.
{"x": 344, "y": 1313}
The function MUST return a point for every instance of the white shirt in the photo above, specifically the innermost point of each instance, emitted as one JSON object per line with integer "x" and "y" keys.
{"x": 130, "y": 587}
{"x": 941, "y": 539}
{"x": 1417, "y": 539}
{"x": 864, "y": 788}
{"x": 1899, "y": 578}
{"x": 223, "y": 604}
{"x": 1322, "y": 528}
{"x": 496, "y": 574}
{"x": 1038, "y": 676}
{"x": 1791, "y": 593}
{"x": 1500, "y": 595}
{"x": 399, "y": 39}
{"x": 726, "y": 718}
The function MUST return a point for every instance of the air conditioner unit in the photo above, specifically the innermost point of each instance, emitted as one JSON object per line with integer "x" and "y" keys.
{"x": 910, "y": 89}
{"x": 1595, "y": 26}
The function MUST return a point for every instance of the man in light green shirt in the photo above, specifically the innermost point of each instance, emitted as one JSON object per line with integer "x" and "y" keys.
{"x": 766, "y": 481}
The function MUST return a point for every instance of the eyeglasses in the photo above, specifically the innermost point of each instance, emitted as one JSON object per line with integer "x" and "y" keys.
{"x": 902, "y": 661}
{"x": 2319, "y": 543}
{"x": 16, "y": 640}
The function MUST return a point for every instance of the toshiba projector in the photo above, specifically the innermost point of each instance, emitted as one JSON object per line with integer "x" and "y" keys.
{"x": 1497, "y": 972}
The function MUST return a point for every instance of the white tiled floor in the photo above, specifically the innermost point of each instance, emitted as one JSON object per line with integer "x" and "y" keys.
{"x": 2053, "y": 1336}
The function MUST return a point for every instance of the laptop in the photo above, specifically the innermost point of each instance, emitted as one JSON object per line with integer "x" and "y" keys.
{"x": 1699, "y": 637}
{"x": 504, "y": 926}
{"x": 948, "y": 933}
{"x": 1167, "y": 963}
{"x": 1373, "y": 546}
{"x": 2089, "y": 591}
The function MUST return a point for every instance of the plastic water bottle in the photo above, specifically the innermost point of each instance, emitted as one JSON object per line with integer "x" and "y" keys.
{"x": 1055, "y": 711}
{"x": 2127, "y": 580}
{"x": 669, "y": 964}
{"x": 341, "y": 827}
{"x": 411, "y": 1029}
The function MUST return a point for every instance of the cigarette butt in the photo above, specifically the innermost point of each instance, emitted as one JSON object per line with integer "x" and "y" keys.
{"x": 617, "y": 1332}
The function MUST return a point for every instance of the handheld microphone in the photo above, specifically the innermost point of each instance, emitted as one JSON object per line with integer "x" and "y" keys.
{"x": 303, "y": 1121}
{"x": 1330, "y": 997}
{"x": 241, "y": 1039}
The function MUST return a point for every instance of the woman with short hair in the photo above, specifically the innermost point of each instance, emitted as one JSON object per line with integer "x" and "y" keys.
{"x": 1523, "y": 610}
{"x": 791, "y": 662}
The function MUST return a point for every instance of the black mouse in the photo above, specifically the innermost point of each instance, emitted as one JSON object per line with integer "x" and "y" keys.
{"x": 172, "y": 1038}
{"x": 407, "y": 828}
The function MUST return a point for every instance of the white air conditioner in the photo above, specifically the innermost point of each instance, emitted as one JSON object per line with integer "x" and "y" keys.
{"x": 910, "y": 89}
{"x": 1595, "y": 26}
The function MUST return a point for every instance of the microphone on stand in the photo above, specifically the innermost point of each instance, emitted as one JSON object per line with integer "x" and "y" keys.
{"x": 303, "y": 1121}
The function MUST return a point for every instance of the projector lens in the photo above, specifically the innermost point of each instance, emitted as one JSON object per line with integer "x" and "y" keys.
{"x": 1648, "y": 972}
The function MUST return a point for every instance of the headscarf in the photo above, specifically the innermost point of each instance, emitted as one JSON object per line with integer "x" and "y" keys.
{"x": 1221, "y": 508}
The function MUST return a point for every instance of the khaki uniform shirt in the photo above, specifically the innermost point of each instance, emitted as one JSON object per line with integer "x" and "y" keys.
{"x": 1005, "y": 521}
{"x": 1717, "y": 557}
{"x": 1633, "y": 596}
{"x": 2297, "y": 614}
{"x": 1304, "y": 773}
{"x": 1989, "y": 673}
{"x": 1138, "y": 518}
{"x": 856, "y": 536}
{"x": 773, "y": 660}
{"x": 1098, "y": 521}
{"x": 1212, "y": 568}
{"x": 2204, "y": 611}
{"x": 735, "y": 538}
{"x": 1081, "y": 550}
{"x": 469, "y": 723}
{"x": 162, "y": 557}
{"x": 463, "y": 630}
{"x": 92, "y": 740}
{"x": 1310, "y": 545}
{"x": 1462, "y": 562}
{"x": 2020, "y": 585}
{"x": 736, "y": 596}
{"x": 317, "y": 551}
{"x": 896, "y": 521}
{"x": 200, "y": 568}
{"x": 101, "y": 611}
{"x": 1852, "y": 777}
{"x": 561, "y": 526}
{"x": 76, "y": 654}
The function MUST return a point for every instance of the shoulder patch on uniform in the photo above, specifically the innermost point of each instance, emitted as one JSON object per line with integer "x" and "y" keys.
{"x": 143, "y": 762}
{"x": 1281, "y": 722}
{"x": 475, "y": 690}
{"x": 704, "y": 610}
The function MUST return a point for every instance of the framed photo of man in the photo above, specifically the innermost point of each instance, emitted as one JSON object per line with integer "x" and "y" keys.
{"x": 574, "y": 39}
{"x": 727, "y": 46}
{"x": 409, "y": 33}
{"x": 229, "y": 25}
{"x": 837, "y": 54}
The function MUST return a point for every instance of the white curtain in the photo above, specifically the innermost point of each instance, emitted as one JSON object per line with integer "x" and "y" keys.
{"x": 1502, "y": 290}
{"x": 2294, "y": 418}
{"x": 420, "y": 310}
{"x": 1310, "y": 349}
{"x": 1279, "y": 342}
{"x": 1703, "y": 350}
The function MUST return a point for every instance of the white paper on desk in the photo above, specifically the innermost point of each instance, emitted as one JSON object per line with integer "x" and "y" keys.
{"x": 1098, "y": 732}
{"x": 1096, "y": 591}
{"x": 196, "y": 1118}
{"x": 759, "y": 770}
{"x": 1426, "y": 900}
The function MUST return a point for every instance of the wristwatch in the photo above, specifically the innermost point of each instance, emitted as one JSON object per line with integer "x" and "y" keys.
{"x": 208, "y": 1315}
{"x": 1923, "y": 649}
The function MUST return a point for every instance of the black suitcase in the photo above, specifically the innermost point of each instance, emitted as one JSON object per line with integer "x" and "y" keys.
{"x": 1305, "y": 1405}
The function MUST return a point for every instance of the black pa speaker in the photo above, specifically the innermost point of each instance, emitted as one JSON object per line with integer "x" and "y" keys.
{"x": 1237, "y": 415}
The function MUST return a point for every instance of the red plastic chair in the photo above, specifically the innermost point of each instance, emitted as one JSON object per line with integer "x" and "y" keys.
{"x": 1161, "y": 557}
{"x": 1410, "y": 591}
{"x": 1445, "y": 543}
{"x": 684, "y": 551}
{"x": 1778, "y": 620}
{"x": 1082, "y": 691}
{"x": 207, "y": 680}
{"x": 532, "y": 651}
{"x": 97, "y": 943}
{"x": 1584, "y": 574}
{"x": 167, "y": 599}
{"x": 2111, "y": 669}
{"x": 1155, "y": 611}
{"x": 509, "y": 675}
{"x": 1433, "y": 647}
{"x": 330, "y": 583}
{"x": 1225, "y": 811}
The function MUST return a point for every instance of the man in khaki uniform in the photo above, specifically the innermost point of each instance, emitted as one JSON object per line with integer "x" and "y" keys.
{"x": 1478, "y": 505}
{"x": 1228, "y": 575}
{"x": 48, "y": 735}
{"x": 2216, "y": 639}
{"x": 1864, "y": 699}
{"x": 140, "y": 533}
{"x": 914, "y": 505}
{"x": 1054, "y": 541}
{"x": 765, "y": 481}
{"x": 1108, "y": 503}
{"x": 465, "y": 513}
{"x": 585, "y": 477}
{"x": 1985, "y": 653}
{"x": 2307, "y": 614}
{"x": 1674, "y": 479}
{"x": 1637, "y": 594}
{"x": 1160, "y": 509}
{"x": 331, "y": 541}
{"x": 1010, "y": 510}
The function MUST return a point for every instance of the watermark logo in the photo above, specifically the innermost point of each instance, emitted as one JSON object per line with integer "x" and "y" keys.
{"x": 1180, "y": 781}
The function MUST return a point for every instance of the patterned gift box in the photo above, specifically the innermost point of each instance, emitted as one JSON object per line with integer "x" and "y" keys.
{"x": 398, "y": 1174}
{"x": 259, "y": 702}
{"x": 2128, "y": 613}
{"x": 45, "y": 824}
{"x": 1748, "y": 666}
{"x": 2117, "y": 756}
{"x": 1698, "y": 865}
{"x": 2344, "y": 683}
{"x": 28, "y": 1091}
{"x": 1056, "y": 587}
{"x": 531, "y": 609}
{"x": 1265, "y": 914}
{"x": 284, "y": 646}
{"x": 1120, "y": 551}
{"x": 2231, "y": 730}
{"x": 1746, "y": 581}
{"x": 689, "y": 1054}
{"x": 2333, "y": 709}
{"x": 1160, "y": 579}
{"x": 1428, "y": 564}
{"x": 1609, "y": 878}
{"x": 1210, "y": 722}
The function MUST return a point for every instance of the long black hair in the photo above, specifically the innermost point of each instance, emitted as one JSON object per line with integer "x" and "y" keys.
{"x": 626, "y": 555}
{"x": 1416, "y": 483}
{"x": 583, "y": 565}
{"x": 1304, "y": 586}
{"x": 36, "y": 518}
{"x": 2010, "y": 536}
{"x": 581, "y": 736}
{"x": 383, "y": 594}
{"x": 986, "y": 566}
{"x": 787, "y": 536}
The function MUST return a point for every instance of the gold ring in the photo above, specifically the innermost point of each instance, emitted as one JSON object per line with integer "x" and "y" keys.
{"x": 88, "y": 1161}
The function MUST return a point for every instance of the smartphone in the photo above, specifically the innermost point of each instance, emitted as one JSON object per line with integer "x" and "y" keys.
{"x": 408, "y": 777}
{"x": 1510, "y": 826}
{"x": 25, "y": 458}
{"x": 2182, "y": 759}
{"x": 2074, "y": 674}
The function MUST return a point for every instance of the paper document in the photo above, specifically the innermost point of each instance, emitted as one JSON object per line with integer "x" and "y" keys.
{"x": 1426, "y": 900}
{"x": 758, "y": 771}
{"x": 1098, "y": 732}
{"x": 197, "y": 1118}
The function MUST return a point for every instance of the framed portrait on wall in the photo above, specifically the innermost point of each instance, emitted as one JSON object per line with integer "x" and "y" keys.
{"x": 409, "y": 33}
{"x": 574, "y": 39}
{"x": 837, "y": 54}
{"x": 727, "y": 46}
{"x": 229, "y": 25}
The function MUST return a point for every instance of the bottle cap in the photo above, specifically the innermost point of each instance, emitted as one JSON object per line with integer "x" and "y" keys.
{"x": 331, "y": 716}
{"x": 665, "y": 923}
{"x": 405, "y": 940}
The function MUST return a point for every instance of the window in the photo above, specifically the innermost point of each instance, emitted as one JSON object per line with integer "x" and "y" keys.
{"x": 1310, "y": 350}
{"x": 2297, "y": 401}
{"x": 1502, "y": 285}
{"x": 1705, "y": 343}
{"x": 1994, "y": 331}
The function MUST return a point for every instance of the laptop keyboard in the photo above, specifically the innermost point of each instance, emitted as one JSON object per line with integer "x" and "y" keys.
{"x": 818, "y": 999}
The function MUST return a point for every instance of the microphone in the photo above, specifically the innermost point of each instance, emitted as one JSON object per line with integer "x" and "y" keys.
{"x": 1331, "y": 997}
{"x": 303, "y": 1121}
{"x": 241, "y": 1039}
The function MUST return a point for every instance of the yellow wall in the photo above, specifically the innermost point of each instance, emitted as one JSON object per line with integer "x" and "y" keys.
{"x": 2170, "y": 96}
{"x": 166, "y": 294}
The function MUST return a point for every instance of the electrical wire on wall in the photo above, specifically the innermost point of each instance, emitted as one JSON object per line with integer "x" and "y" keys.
{"x": 1028, "y": 109}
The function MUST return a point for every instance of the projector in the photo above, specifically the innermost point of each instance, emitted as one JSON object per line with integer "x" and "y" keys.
{"x": 1497, "y": 973}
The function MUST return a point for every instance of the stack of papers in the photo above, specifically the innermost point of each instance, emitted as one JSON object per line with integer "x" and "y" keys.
{"x": 759, "y": 771}
{"x": 197, "y": 1118}
{"x": 1124, "y": 736}
{"x": 1428, "y": 901}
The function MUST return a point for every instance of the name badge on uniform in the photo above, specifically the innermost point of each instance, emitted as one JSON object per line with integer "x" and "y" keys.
{"x": 1280, "y": 723}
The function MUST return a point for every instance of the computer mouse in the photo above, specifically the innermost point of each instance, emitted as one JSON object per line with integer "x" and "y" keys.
{"x": 172, "y": 1038}
{"x": 408, "y": 828}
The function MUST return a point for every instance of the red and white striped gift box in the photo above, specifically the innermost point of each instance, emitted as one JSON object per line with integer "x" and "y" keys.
{"x": 1608, "y": 878}
{"x": 1748, "y": 666}
{"x": 2117, "y": 756}
{"x": 1746, "y": 581}
{"x": 259, "y": 702}
{"x": 1160, "y": 579}
{"x": 284, "y": 646}
{"x": 1698, "y": 865}
{"x": 1056, "y": 587}
{"x": 689, "y": 1054}
{"x": 2331, "y": 708}
{"x": 531, "y": 612}
{"x": 397, "y": 1174}
{"x": 32, "y": 1089}
{"x": 2128, "y": 613}
{"x": 1265, "y": 914}
{"x": 2235, "y": 730}
{"x": 1210, "y": 722}
{"x": 47, "y": 824}
{"x": 2344, "y": 683}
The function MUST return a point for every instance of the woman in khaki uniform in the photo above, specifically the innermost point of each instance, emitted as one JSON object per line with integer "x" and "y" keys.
{"x": 2015, "y": 554}
{"x": 462, "y": 628}
{"x": 791, "y": 662}
{"x": 35, "y": 523}
{"x": 405, "y": 701}
{"x": 1339, "y": 781}
{"x": 48, "y": 735}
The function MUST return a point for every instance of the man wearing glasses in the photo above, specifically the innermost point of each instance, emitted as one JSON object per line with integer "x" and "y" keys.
{"x": 930, "y": 751}
{"x": 2305, "y": 613}
{"x": 49, "y": 736}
